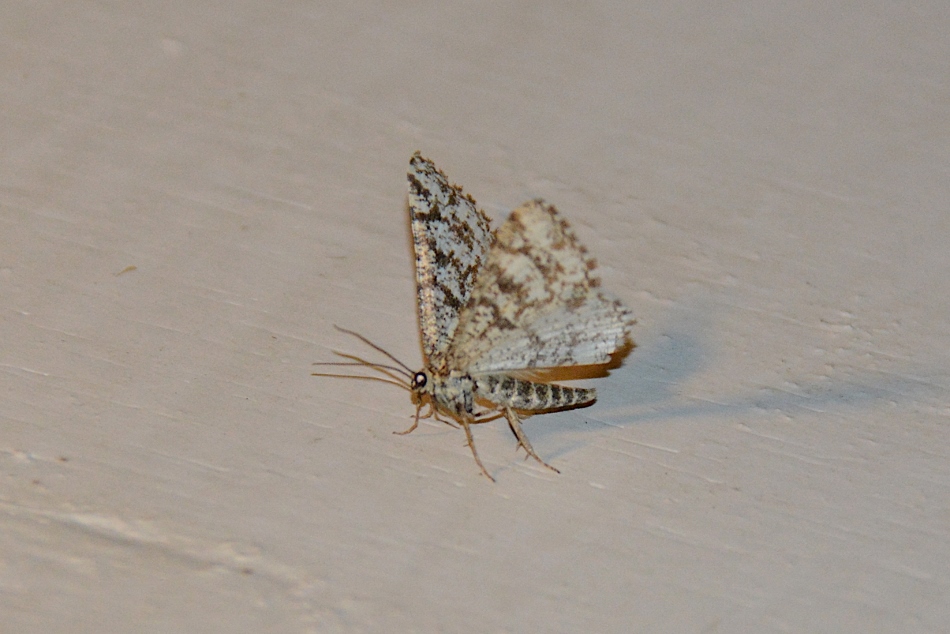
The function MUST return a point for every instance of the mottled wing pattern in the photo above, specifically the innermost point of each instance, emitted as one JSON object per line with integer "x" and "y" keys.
{"x": 451, "y": 238}
{"x": 537, "y": 302}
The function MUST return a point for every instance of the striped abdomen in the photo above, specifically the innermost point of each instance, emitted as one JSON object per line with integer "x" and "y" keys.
{"x": 508, "y": 391}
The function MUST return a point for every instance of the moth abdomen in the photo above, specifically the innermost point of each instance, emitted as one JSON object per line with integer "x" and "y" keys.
{"x": 509, "y": 391}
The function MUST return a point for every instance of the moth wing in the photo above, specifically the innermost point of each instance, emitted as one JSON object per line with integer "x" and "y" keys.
{"x": 587, "y": 335}
{"x": 451, "y": 238}
{"x": 537, "y": 301}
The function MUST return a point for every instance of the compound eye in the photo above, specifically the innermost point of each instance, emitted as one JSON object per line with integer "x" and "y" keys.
{"x": 419, "y": 380}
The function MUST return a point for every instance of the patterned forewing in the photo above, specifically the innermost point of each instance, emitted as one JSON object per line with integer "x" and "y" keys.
{"x": 537, "y": 302}
{"x": 451, "y": 238}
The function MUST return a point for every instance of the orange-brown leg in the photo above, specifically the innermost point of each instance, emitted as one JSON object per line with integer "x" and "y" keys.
{"x": 471, "y": 445}
{"x": 515, "y": 423}
{"x": 415, "y": 423}
{"x": 485, "y": 417}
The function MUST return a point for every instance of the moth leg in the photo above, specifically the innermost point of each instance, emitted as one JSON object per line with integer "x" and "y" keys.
{"x": 484, "y": 417}
{"x": 445, "y": 420}
{"x": 428, "y": 414}
{"x": 415, "y": 423}
{"x": 471, "y": 444}
{"x": 515, "y": 423}
{"x": 434, "y": 413}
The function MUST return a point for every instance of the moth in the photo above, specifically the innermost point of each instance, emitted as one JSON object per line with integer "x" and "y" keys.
{"x": 497, "y": 309}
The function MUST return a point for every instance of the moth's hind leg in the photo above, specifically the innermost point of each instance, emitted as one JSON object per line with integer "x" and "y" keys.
{"x": 515, "y": 423}
{"x": 485, "y": 417}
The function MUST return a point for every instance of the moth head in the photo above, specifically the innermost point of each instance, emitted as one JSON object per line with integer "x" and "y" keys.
{"x": 420, "y": 386}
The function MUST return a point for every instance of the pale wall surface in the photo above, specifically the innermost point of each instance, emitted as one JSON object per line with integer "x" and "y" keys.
{"x": 768, "y": 187}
